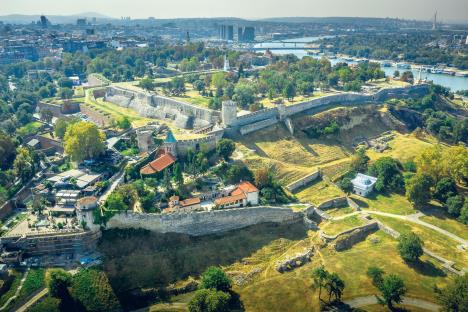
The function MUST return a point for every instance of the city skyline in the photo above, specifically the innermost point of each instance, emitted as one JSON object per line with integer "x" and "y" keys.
{"x": 450, "y": 11}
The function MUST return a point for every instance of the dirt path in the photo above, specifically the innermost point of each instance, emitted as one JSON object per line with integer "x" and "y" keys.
{"x": 23, "y": 279}
{"x": 33, "y": 300}
{"x": 370, "y": 300}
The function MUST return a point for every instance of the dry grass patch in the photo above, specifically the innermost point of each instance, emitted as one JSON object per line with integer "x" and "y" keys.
{"x": 319, "y": 192}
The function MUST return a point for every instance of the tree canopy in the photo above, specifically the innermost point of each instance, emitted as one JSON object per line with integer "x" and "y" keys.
{"x": 83, "y": 140}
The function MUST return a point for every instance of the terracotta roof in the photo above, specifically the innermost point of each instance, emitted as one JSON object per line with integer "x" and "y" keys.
{"x": 229, "y": 199}
{"x": 248, "y": 187}
{"x": 87, "y": 200}
{"x": 190, "y": 202}
{"x": 158, "y": 164}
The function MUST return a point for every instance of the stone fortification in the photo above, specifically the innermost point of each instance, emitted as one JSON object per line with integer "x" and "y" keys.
{"x": 257, "y": 125}
{"x": 209, "y": 142}
{"x": 203, "y": 223}
{"x": 156, "y": 106}
{"x": 303, "y": 181}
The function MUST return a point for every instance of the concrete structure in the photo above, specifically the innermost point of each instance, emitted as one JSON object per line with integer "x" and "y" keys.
{"x": 363, "y": 184}
{"x": 229, "y": 113}
{"x": 187, "y": 205}
{"x": 85, "y": 211}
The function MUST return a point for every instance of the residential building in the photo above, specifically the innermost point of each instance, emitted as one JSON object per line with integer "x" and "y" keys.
{"x": 187, "y": 205}
{"x": 246, "y": 194}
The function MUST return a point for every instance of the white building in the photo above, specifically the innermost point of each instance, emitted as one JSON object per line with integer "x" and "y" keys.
{"x": 246, "y": 194}
{"x": 363, "y": 184}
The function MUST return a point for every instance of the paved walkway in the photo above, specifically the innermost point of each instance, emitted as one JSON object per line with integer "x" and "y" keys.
{"x": 369, "y": 300}
{"x": 7, "y": 303}
{"x": 33, "y": 300}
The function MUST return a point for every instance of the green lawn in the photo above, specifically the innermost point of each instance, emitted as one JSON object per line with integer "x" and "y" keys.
{"x": 434, "y": 241}
{"x": 30, "y": 128}
{"x": 335, "y": 227}
{"x": 392, "y": 203}
{"x": 449, "y": 224}
{"x": 34, "y": 282}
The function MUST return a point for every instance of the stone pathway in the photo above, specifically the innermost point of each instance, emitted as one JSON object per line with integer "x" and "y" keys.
{"x": 7, "y": 303}
{"x": 370, "y": 300}
{"x": 33, "y": 300}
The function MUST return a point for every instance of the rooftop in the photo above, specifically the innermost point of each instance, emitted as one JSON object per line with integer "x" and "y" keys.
{"x": 159, "y": 164}
{"x": 363, "y": 181}
{"x": 230, "y": 199}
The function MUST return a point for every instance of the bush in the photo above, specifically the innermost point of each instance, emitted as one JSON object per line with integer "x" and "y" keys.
{"x": 49, "y": 304}
{"x": 445, "y": 188}
{"x": 209, "y": 300}
{"x": 215, "y": 278}
{"x": 454, "y": 205}
{"x": 57, "y": 281}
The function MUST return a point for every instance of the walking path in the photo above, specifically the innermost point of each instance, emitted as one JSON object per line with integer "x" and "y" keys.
{"x": 369, "y": 300}
{"x": 33, "y": 300}
{"x": 7, "y": 303}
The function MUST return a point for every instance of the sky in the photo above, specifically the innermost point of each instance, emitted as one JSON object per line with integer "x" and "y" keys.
{"x": 448, "y": 10}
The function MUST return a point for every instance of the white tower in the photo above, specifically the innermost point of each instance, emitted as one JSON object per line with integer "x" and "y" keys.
{"x": 229, "y": 113}
{"x": 227, "y": 67}
{"x": 85, "y": 211}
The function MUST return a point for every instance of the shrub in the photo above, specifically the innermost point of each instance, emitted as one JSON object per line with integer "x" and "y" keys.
{"x": 410, "y": 247}
{"x": 215, "y": 278}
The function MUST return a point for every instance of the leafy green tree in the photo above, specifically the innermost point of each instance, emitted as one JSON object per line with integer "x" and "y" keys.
{"x": 445, "y": 188}
{"x": 66, "y": 93}
{"x": 83, "y": 140}
{"x": 24, "y": 164}
{"x": 454, "y": 205}
{"x": 178, "y": 177}
{"x": 393, "y": 289}
{"x": 60, "y": 126}
{"x": 225, "y": 148}
{"x": 389, "y": 176}
{"x": 115, "y": 202}
{"x": 376, "y": 274}
{"x": 335, "y": 286}
{"x": 177, "y": 86}
{"x": 454, "y": 297}
{"x": 346, "y": 185}
{"x": 218, "y": 80}
{"x": 215, "y": 278}
{"x": 320, "y": 277}
{"x": 47, "y": 115}
{"x": 418, "y": 189}
{"x": 124, "y": 123}
{"x": 289, "y": 91}
{"x": 58, "y": 280}
{"x": 244, "y": 94}
{"x": 147, "y": 84}
{"x": 7, "y": 151}
{"x": 410, "y": 247}
{"x": 359, "y": 161}
{"x": 209, "y": 300}
{"x": 464, "y": 213}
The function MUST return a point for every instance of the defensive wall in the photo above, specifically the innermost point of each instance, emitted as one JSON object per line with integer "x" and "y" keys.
{"x": 209, "y": 141}
{"x": 206, "y": 222}
{"x": 156, "y": 106}
{"x": 303, "y": 181}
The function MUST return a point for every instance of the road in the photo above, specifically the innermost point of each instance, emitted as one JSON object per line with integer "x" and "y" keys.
{"x": 369, "y": 300}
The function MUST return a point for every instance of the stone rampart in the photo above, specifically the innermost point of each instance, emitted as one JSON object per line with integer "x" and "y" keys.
{"x": 257, "y": 116}
{"x": 334, "y": 203}
{"x": 303, "y": 181}
{"x": 257, "y": 125}
{"x": 203, "y": 223}
{"x": 209, "y": 142}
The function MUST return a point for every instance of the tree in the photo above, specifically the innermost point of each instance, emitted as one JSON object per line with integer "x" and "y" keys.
{"x": 215, "y": 278}
{"x": 289, "y": 91}
{"x": 177, "y": 86}
{"x": 454, "y": 297}
{"x": 320, "y": 276}
{"x": 209, "y": 300}
{"x": 392, "y": 288}
{"x": 335, "y": 286}
{"x": 445, "y": 188}
{"x": 218, "y": 80}
{"x": 244, "y": 94}
{"x": 7, "y": 151}
{"x": 60, "y": 126}
{"x": 83, "y": 140}
{"x": 396, "y": 74}
{"x": 57, "y": 282}
{"x": 66, "y": 93}
{"x": 410, "y": 247}
{"x": 346, "y": 185}
{"x": 46, "y": 115}
{"x": 225, "y": 148}
{"x": 454, "y": 205}
{"x": 376, "y": 274}
{"x": 389, "y": 176}
{"x": 24, "y": 164}
{"x": 167, "y": 181}
{"x": 147, "y": 84}
{"x": 178, "y": 177}
{"x": 262, "y": 177}
{"x": 124, "y": 123}
{"x": 407, "y": 76}
{"x": 115, "y": 202}
{"x": 464, "y": 213}
{"x": 418, "y": 189}
{"x": 359, "y": 161}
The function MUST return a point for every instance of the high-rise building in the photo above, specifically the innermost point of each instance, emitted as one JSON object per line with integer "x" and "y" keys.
{"x": 44, "y": 21}
{"x": 81, "y": 22}
{"x": 246, "y": 34}
{"x": 226, "y": 32}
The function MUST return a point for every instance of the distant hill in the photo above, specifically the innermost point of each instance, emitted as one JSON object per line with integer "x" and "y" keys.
{"x": 54, "y": 19}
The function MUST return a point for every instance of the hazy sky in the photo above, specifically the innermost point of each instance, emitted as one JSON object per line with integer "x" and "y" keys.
{"x": 449, "y": 10}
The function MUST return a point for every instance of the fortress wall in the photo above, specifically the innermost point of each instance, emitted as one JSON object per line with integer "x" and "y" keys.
{"x": 209, "y": 142}
{"x": 303, "y": 181}
{"x": 257, "y": 125}
{"x": 205, "y": 114}
{"x": 203, "y": 223}
{"x": 255, "y": 117}
{"x": 342, "y": 98}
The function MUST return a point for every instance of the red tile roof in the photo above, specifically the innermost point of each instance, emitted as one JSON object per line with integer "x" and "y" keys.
{"x": 158, "y": 164}
{"x": 244, "y": 187}
{"x": 229, "y": 199}
{"x": 190, "y": 202}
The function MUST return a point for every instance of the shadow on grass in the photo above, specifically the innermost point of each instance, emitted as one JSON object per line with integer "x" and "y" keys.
{"x": 307, "y": 185}
{"x": 139, "y": 259}
{"x": 436, "y": 211}
{"x": 426, "y": 268}
{"x": 360, "y": 202}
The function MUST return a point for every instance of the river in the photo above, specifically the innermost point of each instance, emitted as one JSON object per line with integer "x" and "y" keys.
{"x": 453, "y": 82}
